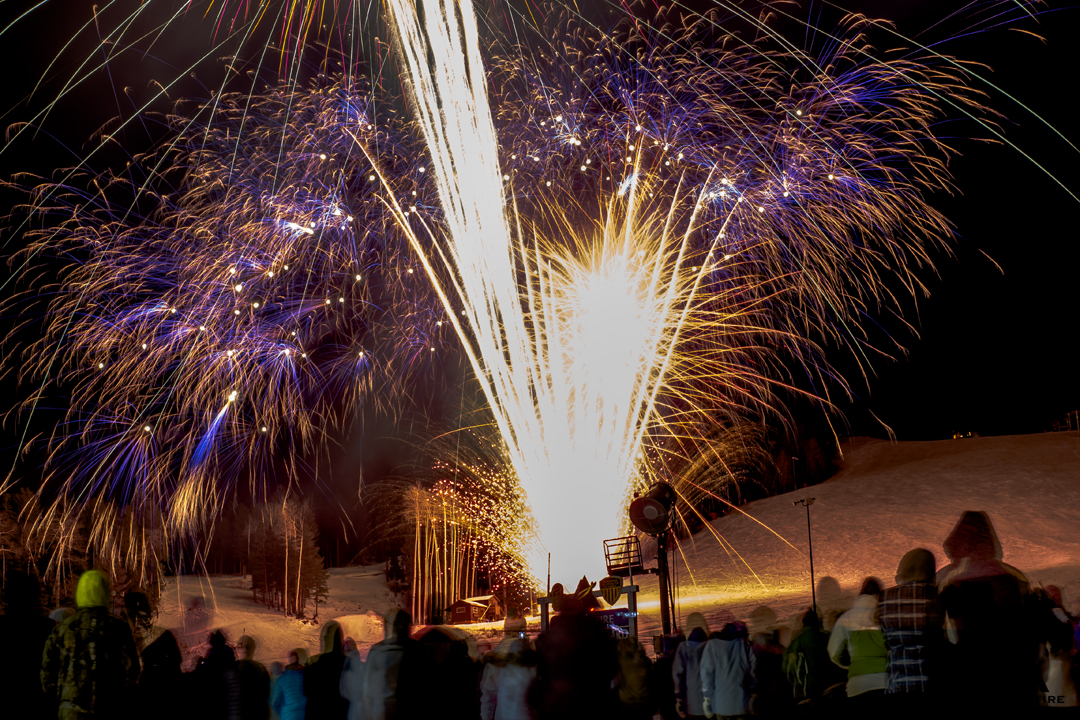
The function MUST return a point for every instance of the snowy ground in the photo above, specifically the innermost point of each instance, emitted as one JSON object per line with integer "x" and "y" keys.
{"x": 359, "y": 599}
{"x": 887, "y": 499}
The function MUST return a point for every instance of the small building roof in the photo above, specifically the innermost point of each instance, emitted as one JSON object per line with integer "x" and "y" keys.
{"x": 469, "y": 601}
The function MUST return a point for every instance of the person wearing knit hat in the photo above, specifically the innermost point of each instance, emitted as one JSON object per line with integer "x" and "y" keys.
{"x": 90, "y": 664}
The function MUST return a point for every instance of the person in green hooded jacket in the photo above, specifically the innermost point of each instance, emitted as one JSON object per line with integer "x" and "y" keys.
{"x": 90, "y": 665}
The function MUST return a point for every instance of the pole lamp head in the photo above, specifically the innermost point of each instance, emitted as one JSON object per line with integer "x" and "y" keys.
{"x": 653, "y": 512}
{"x": 805, "y": 501}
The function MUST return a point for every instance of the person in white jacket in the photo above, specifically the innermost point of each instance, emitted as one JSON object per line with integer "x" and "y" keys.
{"x": 506, "y": 682}
{"x": 728, "y": 668}
{"x": 857, "y": 644}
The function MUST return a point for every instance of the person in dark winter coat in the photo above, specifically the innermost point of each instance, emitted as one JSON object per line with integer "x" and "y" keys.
{"x": 911, "y": 620}
{"x": 634, "y": 682}
{"x": 453, "y": 678}
{"x": 577, "y": 663}
{"x": 728, "y": 670}
{"x": 288, "y": 699}
{"x": 215, "y": 682}
{"x": 686, "y": 668}
{"x": 254, "y": 683}
{"x": 322, "y": 677}
{"x": 89, "y": 667}
{"x": 807, "y": 665}
{"x": 162, "y": 684}
{"x": 996, "y": 654}
{"x": 773, "y": 697}
{"x": 25, "y": 629}
{"x": 663, "y": 682}
{"x": 395, "y": 673}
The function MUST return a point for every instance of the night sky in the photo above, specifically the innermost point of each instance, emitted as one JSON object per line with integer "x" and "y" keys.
{"x": 996, "y": 352}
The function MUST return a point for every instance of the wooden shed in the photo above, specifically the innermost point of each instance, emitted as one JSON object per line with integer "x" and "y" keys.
{"x": 484, "y": 608}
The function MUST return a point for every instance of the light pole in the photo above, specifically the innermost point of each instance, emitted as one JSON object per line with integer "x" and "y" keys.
{"x": 652, "y": 514}
{"x": 810, "y": 541}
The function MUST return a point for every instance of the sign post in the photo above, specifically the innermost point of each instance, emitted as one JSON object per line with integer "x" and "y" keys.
{"x": 630, "y": 591}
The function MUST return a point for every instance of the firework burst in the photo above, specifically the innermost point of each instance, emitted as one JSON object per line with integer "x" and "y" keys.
{"x": 666, "y": 209}
{"x": 629, "y": 234}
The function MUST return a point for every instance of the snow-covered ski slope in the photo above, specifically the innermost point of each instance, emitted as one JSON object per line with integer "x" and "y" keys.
{"x": 887, "y": 499}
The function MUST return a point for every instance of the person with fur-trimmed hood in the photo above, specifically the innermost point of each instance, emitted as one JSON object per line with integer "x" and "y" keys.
{"x": 728, "y": 668}
{"x": 90, "y": 666}
{"x": 857, "y": 644}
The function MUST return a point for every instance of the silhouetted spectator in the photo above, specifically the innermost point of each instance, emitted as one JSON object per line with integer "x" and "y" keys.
{"x": 395, "y": 674}
{"x": 24, "y": 629}
{"x": 728, "y": 668}
{"x": 634, "y": 680}
{"x": 772, "y": 693}
{"x": 352, "y": 681}
{"x": 89, "y": 666}
{"x": 1059, "y": 635}
{"x": 663, "y": 682}
{"x": 139, "y": 617}
{"x": 576, "y": 665}
{"x": 254, "y": 683}
{"x": 453, "y": 677}
{"x": 514, "y": 623}
{"x": 322, "y": 677}
{"x": 857, "y": 643}
{"x": 288, "y": 699}
{"x": 686, "y": 668}
{"x": 911, "y": 620}
{"x": 505, "y": 683}
{"x": 215, "y": 682}
{"x": 162, "y": 685}
{"x": 996, "y": 655}
{"x": 807, "y": 665}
